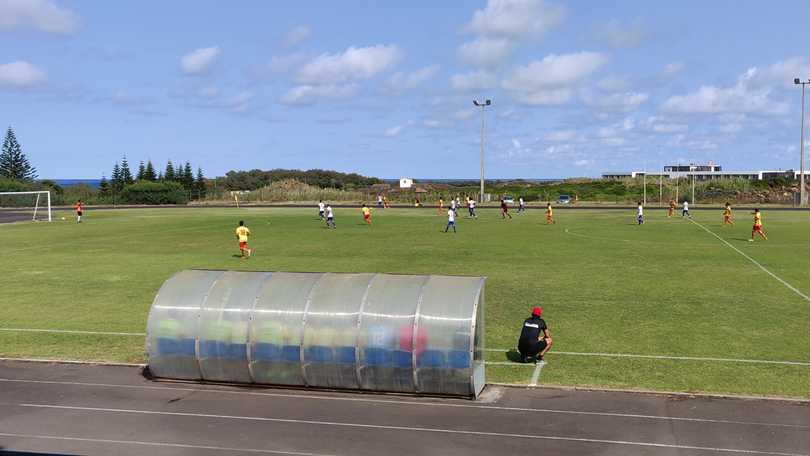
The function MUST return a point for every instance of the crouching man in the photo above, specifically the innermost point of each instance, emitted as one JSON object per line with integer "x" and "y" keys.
{"x": 534, "y": 338}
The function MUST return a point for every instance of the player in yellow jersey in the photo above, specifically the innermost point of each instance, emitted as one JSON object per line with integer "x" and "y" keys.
{"x": 242, "y": 234}
{"x": 441, "y": 206}
{"x": 366, "y": 215}
{"x": 549, "y": 220}
{"x": 671, "y": 208}
{"x": 727, "y": 215}
{"x": 757, "y": 225}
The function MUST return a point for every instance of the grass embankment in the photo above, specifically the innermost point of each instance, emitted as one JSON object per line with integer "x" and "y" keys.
{"x": 606, "y": 286}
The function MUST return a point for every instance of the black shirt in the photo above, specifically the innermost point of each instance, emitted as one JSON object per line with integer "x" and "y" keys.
{"x": 532, "y": 329}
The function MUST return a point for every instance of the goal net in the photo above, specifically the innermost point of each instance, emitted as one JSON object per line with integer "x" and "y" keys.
{"x": 19, "y": 206}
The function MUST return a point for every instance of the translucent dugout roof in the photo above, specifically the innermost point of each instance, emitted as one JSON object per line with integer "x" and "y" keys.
{"x": 421, "y": 334}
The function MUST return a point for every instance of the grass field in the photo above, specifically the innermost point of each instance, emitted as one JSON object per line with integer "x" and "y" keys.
{"x": 666, "y": 292}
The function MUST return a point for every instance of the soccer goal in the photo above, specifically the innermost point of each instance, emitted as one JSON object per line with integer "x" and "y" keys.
{"x": 16, "y": 206}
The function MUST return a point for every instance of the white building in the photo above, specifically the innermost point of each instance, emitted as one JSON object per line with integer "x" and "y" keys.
{"x": 707, "y": 172}
{"x": 406, "y": 182}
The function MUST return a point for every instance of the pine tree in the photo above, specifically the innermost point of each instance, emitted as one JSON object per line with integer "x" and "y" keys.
{"x": 160, "y": 176}
{"x": 188, "y": 176}
{"x": 126, "y": 174}
{"x": 200, "y": 184}
{"x": 150, "y": 172}
{"x": 116, "y": 181}
{"x": 141, "y": 172}
{"x": 103, "y": 186}
{"x": 13, "y": 163}
{"x": 168, "y": 175}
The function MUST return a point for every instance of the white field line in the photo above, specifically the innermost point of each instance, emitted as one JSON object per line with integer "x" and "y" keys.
{"x": 476, "y": 432}
{"x": 752, "y": 260}
{"x": 615, "y": 355}
{"x": 157, "y": 444}
{"x": 74, "y": 332}
{"x": 685, "y": 358}
{"x": 536, "y": 375}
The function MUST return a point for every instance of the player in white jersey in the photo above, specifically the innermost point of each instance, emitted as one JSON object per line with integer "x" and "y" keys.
{"x": 320, "y": 209}
{"x": 450, "y": 220}
{"x": 330, "y": 217}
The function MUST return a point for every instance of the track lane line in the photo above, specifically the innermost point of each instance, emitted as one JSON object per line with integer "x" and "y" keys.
{"x": 405, "y": 402}
{"x": 404, "y": 428}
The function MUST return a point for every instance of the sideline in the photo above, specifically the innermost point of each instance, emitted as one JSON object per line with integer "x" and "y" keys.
{"x": 101, "y": 333}
{"x": 752, "y": 260}
{"x": 685, "y": 358}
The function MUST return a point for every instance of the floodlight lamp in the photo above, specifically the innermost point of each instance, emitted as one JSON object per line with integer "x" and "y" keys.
{"x": 475, "y": 102}
{"x": 796, "y": 81}
{"x": 488, "y": 103}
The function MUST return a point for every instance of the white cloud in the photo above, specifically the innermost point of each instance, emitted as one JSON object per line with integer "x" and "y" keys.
{"x": 784, "y": 72}
{"x": 356, "y": 64}
{"x": 239, "y": 99}
{"x": 43, "y": 15}
{"x": 554, "y": 72}
{"x": 21, "y": 74}
{"x": 113, "y": 53}
{"x": 740, "y": 98}
{"x": 668, "y": 128}
{"x": 473, "y": 81}
{"x": 583, "y": 163}
{"x": 544, "y": 97}
{"x": 395, "y": 131}
{"x": 464, "y": 114}
{"x": 515, "y": 18}
{"x": 615, "y": 84}
{"x": 486, "y": 52}
{"x": 297, "y": 35}
{"x": 200, "y": 60}
{"x": 620, "y": 102}
{"x": 669, "y": 70}
{"x": 281, "y": 66}
{"x": 306, "y": 95}
{"x": 561, "y": 136}
{"x": 730, "y": 128}
{"x": 399, "y": 83}
{"x": 619, "y": 36}
{"x": 510, "y": 114}
{"x": 209, "y": 92}
{"x": 612, "y": 142}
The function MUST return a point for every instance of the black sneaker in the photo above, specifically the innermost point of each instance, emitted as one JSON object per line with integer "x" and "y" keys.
{"x": 540, "y": 360}
{"x": 524, "y": 359}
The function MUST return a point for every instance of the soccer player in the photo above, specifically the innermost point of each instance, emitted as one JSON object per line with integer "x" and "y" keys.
{"x": 520, "y": 200}
{"x": 757, "y": 225}
{"x": 79, "y": 211}
{"x": 549, "y": 220}
{"x": 379, "y": 202}
{"x": 727, "y": 215}
{"x": 458, "y": 204}
{"x": 472, "y": 207}
{"x": 671, "y": 207}
{"x": 320, "y": 209}
{"x": 441, "y": 206}
{"x": 534, "y": 338}
{"x": 505, "y": 209}
{"x": 366, "y": 215}
{"x": 639, "y": 213}
{"x": 467, "y": 197}
{"x": 385, "y": 203}
{"x": 686, "y": 210}
{"x": 330, "y": 217}
{"x": 451, "y": 221}
{"x": 242, "y": 234}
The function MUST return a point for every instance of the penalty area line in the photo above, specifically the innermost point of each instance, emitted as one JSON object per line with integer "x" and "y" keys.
{"x": 752, "y": 260}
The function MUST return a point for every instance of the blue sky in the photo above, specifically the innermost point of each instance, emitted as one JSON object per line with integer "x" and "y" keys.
{"x": 385, "y": 88}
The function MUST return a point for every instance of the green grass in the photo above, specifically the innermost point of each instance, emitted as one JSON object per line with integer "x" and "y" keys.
{"x": 605, "y": 285}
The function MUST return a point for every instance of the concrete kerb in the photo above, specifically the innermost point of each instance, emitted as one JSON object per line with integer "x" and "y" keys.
{"x": 508, "y": 385}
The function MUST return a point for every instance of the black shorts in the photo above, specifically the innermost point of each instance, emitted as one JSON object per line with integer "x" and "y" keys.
{"x": 534, "y": 351}
{"x": 80, "y": 213}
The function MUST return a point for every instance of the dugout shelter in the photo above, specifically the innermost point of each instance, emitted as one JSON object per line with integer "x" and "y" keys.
{"x": 420, "y": 334}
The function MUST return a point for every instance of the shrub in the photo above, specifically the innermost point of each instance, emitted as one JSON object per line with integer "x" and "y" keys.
{"x": 154, "y": 193}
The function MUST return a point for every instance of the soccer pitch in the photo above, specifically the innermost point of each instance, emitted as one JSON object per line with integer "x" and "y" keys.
{"x": 674, "y": 305}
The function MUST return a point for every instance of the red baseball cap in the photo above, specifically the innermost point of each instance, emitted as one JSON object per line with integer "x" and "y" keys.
{"x": 537, "y": 311}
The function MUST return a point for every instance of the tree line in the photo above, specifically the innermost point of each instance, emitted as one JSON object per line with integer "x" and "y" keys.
{"x": 256, "y": 179}
{"x": 147, "y": 180}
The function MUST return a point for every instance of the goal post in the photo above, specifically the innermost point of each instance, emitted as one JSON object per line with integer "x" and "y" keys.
{"x": 35, "y": 200}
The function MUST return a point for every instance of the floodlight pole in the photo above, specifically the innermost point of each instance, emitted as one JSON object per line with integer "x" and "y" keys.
{"x": 483, "y": 105}
{"x": 801, "y": 194}
{"x": 645, "y": 181}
